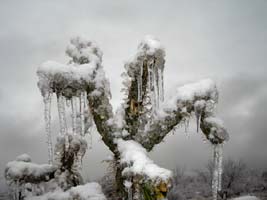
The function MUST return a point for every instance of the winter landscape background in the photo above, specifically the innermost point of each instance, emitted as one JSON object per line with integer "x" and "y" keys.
{"x": 224, "y": 40}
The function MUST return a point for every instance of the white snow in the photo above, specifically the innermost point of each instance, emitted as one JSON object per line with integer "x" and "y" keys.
{"x": 202, "y": 90}
{"x": 24, "y": 157}
{"x": 150, "y": 44}
{"x": 119, "y": 118}
{"x": 135, "y": 157}
{"x": 215, "y": 121}
{"x": 18, "y": 169}
{"x": 217, "y": 128}
{"x": 86, "y": 59}
{"x": 53, "y": 73}
{"x": 89, "y": 191}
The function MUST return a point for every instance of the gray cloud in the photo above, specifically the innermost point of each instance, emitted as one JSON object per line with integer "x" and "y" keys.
{"x": 223, "y": 40}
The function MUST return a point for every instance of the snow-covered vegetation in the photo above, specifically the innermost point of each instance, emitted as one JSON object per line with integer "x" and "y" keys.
{"x": 142, "y": 121}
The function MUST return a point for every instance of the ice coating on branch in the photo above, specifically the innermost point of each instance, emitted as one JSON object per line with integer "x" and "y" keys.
{"x": 89, "y": 191}
{"x": 135, "y": 157}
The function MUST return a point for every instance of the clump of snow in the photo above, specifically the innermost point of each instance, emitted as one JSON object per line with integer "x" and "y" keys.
{"x": 150, "y": 44}
{"x": 204, "y": 89}
{"x": 89, "y": 191}
{"x": 135, "y": 157}
{"x": 127, "y": 184}
{"x": 24, "y": 157}
{"x": 118, "y": 119}
{"x": 217, "y": 128}
{"x": 20, "y": 169}
{"x": 84, "y": 69}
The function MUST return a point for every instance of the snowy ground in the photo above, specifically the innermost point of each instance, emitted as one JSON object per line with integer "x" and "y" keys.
{"x": 246, "y": 198}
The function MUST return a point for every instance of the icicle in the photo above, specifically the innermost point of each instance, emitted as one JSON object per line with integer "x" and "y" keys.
{"x": 61, "y": 100}
{"x": 141, "y": 82}
{"x": 61, "y": 114}
{"x": 155, "y": 89}
{"x": 199, "y": 106}
{"x": 198, "y": 118}
{"x": 47, "y": 116}
{"x": 82, "y": 104}
{"x": 79, "y": 161}
{"x": 161, "y": 85}
{"x": 139, "y": 87}
{"x": 136, "y": 191}
{"x": 220, "y": 169}
{"x": 215, "y": 178}
{"x": 74, "y": 115}
{"x": 85, "y": 101}
{"x": 128, "y": 185}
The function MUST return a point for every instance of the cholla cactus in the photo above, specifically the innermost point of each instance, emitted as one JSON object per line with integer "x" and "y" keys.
{"x": 142, "y": 121}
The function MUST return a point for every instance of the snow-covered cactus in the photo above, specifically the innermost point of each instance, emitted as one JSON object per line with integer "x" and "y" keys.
{"x": 143, "y": 120}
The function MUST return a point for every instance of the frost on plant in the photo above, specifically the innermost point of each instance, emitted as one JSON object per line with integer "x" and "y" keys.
{"x": 82, "y": 95}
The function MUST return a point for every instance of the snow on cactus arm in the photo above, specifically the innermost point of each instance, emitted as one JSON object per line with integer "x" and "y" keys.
{"x": 199, "y": 97}
{"x": 77, "y": 75}
{"x": 190, "y": 93}
{"x": 64, "y": 78}
{"x": 136, "y": 161}
{"x": 89, "y": 191}
{"x": 145, "y": 85}
{"x": 22, "y": 170}
{"x": 83, "y": 74}
{"x": 214, "y": 129}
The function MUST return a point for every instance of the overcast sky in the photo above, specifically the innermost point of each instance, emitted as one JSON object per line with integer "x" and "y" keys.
{"x": 224, "y": 40}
